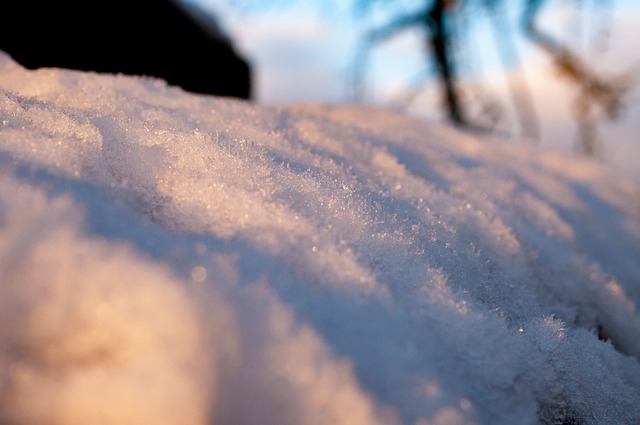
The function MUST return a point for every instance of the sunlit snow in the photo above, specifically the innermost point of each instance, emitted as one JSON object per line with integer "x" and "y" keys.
{"x": 170, "y": 258}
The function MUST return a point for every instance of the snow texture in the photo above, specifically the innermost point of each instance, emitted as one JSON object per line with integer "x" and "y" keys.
{"x": 170, "y": 258}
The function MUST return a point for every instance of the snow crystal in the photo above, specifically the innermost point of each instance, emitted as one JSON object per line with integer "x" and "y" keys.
{"x": 175, "y": 258}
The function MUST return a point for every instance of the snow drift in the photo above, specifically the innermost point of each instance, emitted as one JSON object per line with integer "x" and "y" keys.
{"x": 171, "y": 258}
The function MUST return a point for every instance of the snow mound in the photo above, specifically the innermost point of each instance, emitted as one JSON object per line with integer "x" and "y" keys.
{"x": 170, "y": 258}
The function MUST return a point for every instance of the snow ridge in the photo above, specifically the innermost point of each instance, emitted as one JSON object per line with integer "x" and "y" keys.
{"x": 309, "y": 264}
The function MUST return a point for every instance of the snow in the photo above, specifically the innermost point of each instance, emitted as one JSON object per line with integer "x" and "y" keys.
{"x": 171, "y": 258}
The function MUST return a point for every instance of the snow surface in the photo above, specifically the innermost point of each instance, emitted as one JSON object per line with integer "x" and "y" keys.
{"x": 171, "y": 258}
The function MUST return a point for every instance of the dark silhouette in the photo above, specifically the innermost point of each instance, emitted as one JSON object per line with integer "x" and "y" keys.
{"x": 158, "y": 38}
{"x": 434, "y": 17}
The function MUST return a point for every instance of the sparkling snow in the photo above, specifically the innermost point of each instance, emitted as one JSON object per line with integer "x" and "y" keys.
{"x": 171, "y": 258}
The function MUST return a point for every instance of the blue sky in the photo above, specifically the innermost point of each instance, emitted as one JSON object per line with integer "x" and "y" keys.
{"x": 303, "y": 51}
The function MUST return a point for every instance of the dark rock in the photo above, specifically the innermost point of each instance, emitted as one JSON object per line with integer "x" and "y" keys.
{"x": 158, "y": 38}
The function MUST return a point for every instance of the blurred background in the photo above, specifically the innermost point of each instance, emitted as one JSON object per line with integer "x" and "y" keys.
{"x": 563, "y": 73}
{"x": 557, "y": 72}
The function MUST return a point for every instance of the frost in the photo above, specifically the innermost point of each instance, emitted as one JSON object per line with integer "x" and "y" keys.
{"x": 169, "y": 258}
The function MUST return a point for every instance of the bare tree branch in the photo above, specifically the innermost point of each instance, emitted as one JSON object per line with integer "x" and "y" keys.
{"x": 594, "y": 90}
